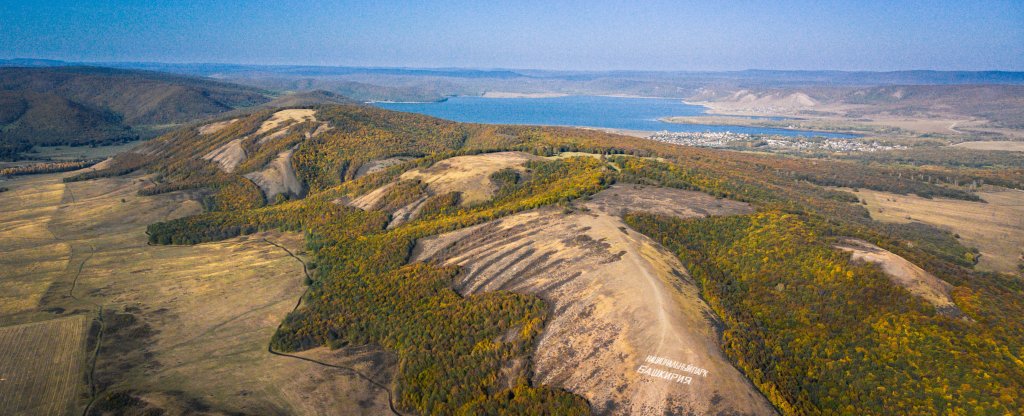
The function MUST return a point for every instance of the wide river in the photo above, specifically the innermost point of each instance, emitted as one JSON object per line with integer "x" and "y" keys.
{"x": 583, "y": 111}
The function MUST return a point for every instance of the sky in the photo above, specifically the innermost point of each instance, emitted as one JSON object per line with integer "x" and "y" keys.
{"x": 561, "y": 35}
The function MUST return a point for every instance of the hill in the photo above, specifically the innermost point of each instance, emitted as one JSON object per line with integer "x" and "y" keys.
{"x": 563, "y": 271}
{"x": 87, "y": 105}
{"x": 965, "y": 111}
{"x": 361, "y": 91}
{"x": 308, "y": 99}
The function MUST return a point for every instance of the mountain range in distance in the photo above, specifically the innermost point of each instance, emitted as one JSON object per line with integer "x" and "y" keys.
{"x": 826, "y": 77}
{"x": 75, "y": 105}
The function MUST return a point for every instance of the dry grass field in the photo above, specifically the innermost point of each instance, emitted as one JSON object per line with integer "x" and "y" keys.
{"x": 31, "y": 257}
{"x": 185, "y": 328}
{"x": 69, "y": 153}
{"x": 1006, "y": 146}
{"x": 995, "y": 227}
{"x": 41, "y": 366}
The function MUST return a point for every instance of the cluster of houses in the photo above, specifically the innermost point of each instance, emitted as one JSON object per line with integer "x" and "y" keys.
{"x": 771, "y": 142}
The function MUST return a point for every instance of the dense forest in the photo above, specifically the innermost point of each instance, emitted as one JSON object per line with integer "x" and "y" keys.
{"x": 814, "y": 331}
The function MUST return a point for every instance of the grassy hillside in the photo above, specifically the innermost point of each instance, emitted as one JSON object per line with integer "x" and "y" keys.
{"x": 85, "y": 105}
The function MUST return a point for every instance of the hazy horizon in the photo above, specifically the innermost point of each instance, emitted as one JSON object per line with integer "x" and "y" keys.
{"x": 128, "y": 63}
{"x": 568, "y": 36}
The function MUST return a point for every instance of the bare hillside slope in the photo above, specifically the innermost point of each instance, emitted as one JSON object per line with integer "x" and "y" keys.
{"x": 629, "y": 331}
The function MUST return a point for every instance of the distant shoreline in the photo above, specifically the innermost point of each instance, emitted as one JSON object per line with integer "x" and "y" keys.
{"x": 643, "y": 134}
{"x": 505, "y": 94}
{"x": 406, "y": 102}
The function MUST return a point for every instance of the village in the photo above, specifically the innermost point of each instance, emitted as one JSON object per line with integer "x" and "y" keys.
{"x": 770, "y": 142}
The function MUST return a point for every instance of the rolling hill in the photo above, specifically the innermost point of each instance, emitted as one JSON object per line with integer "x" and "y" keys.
{"x": 87, "y": 105}
{"x": 543, "y": 270}
{"x": 1000, "y": 105}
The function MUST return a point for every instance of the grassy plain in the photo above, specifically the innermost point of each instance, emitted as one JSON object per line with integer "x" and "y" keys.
{"x": 31, "y": 257}
{"x": 995, "y": 227}
{"x": 1006, "y": 146}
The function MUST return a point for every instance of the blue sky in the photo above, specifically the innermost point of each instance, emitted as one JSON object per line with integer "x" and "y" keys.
{"x": 595, "y": 35}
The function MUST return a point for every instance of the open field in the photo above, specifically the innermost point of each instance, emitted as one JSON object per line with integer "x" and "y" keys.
{"x": 82, "y": 152}
{"x": 41, "y": 366}
{"x": 31, "y": 257}
{"x": 184, "y": 328}
{"x": 1005, "y": 146}
{"x": 996, "y": 228}
{"x": 617, "y": 298}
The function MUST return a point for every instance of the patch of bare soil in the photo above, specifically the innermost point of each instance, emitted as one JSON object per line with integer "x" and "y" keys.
{"x": 916, "y": 280}
{"x": 278, "y": 177}
{"x": 228, "y": 156}
{"x": 379, "y": 165}
{"x": 469, "y": 175}
{"x": 770, "y": 102}
{"x": 297, "y": 115}
{"x": 215, "y": 127}
{"x": 370, "y": 199}
{"x": 628, "y": 331}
